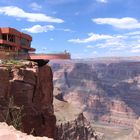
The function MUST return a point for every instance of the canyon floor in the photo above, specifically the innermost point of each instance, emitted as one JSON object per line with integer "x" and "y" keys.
{"x": 112, "y": 133}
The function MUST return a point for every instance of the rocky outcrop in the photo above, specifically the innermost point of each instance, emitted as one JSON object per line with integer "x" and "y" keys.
{"x": 31, "y": 87}
{"x": 135, "y": 135}
{"x": 107, "y": 89}
{"x": 71, "y": 124}
{"x": 78, "y": 129}
{"x": 10, "y": 133}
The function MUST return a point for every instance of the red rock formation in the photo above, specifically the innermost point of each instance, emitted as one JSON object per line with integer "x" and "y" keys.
{"x": 32, "y": 87}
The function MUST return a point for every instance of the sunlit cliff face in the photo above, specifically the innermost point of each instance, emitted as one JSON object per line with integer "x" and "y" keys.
{"x": 30, "y": 86}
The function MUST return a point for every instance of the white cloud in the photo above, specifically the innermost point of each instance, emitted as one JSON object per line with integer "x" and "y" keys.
{"x": 46, "y": 28}
{"x": 39, "y": 29}
{"x": 51, "y": 39}
{"x": 115, "y": 43}
{"x": 44, "y": 49}
{"x": 89, "y": 47}
{"x": 133, "y": 33}
{"x": 135, "y": 50}
{"x": 94, "y": 52}
{"x": 121, "y": 43}
{"x": 16, "y": 12}
{"x": 92, "y": 37}
{"x": 122, "y": 23}
{"x": 65, "y": 29}
{"x": 102, "y": 1}
{"x": 35, "y": 6}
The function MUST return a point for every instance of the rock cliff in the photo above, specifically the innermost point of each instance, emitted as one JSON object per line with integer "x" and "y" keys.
{"x": 135, "y": 135}
{"x": 78, "y": 129}
{"x": 107, "y": 89}
{"x": 71, "y": 124}
{"x": 30, "y": 86}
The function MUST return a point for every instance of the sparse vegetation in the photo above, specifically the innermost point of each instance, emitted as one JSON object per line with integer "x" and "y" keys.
{"x": 12, "y": 62}
{"x": 13, "y": 115}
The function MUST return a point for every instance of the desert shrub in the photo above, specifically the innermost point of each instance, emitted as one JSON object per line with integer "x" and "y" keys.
{"x": 13, "y": 115}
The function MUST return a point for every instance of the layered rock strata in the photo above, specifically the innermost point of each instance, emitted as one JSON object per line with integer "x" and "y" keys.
{"x": 31, "y": 87}
{"x": 108, "y": 90}
{"x": 71, "y": 124}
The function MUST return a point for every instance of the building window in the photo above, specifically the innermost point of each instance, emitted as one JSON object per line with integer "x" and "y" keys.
{"x": 25, "y": 42}
{"x": 6, "y": 47}
{"x": 4, "y": 36}
{"x": 8, "y": 37}
{"x": 11, "y": 38}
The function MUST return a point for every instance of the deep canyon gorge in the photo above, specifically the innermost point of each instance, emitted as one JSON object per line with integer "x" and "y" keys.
{"x": 93, "y": 99}
{"x": 106, "y": 91}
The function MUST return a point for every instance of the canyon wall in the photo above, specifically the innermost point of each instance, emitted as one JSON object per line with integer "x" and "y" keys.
{"x": 78, "y": 129}
{"x": 106, "y": 90}
{"x": 135, "y": 135}
{"x": 31, "y": 87}
{"x": 71, "y": 123}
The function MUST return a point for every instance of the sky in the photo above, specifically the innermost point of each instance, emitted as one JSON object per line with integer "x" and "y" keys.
{"x": 85, "y": 28}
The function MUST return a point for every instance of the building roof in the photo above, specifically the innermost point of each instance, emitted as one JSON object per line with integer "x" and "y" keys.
{"x": 9, "y": 30}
